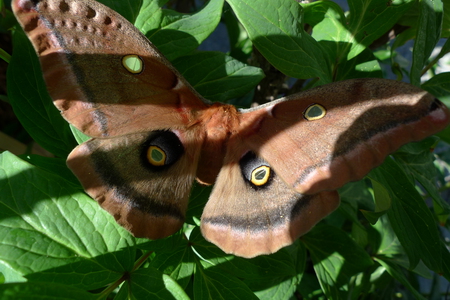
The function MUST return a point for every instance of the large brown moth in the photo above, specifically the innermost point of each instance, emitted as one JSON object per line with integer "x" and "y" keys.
{"x": 275, "y": 168}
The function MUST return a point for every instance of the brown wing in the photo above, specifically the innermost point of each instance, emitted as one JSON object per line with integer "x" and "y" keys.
{"x": 352, "y": 127}
{"x": 147, "y": 197}
{"x": 103, "y": 74}
{"x": 248, "y": 219}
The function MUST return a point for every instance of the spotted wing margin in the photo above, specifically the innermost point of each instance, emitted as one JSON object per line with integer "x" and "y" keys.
{"x": 247, "y": 221}
{"x": 149, "y": 202}
{"x": 365, "y": 120}
{"x": 81, "y": 45}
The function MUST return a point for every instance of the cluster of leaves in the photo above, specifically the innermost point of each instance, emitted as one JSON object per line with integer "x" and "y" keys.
{"x": 57, "y": 242}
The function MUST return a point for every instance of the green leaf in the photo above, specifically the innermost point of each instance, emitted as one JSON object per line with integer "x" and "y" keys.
{"x": 212, "y": 283}
{"x": 43, "y": 290}
{"x": 31, "y": 102}
{"x": 240, "y": 44}
{"x": 53, "y": 165}
{"x": 396, "y": 272}
{"x": 329, "y": 28}
{"x": 410, "y": 218}
{"x": 218, "y": 77}
{"x": 428, "y": 34}
{"x": 382, "y": 203}
{"x": 149, "y": 283}
{"x": 364, "y": 65}
{"x": 179, "y": 263}
{"x": 389, "y": 244}
{"x": 382, "y": 197}
{"x": 150, "y": 16}
{"x": 370, "y": 19}
{"x": 5, "y": 55}
{"x": 276, "y": 29}
{"x": 129, "y": 9}
{"x": 257, "y": 273}
{"x": 336, "y": 258}
{"x": 79, "y": 136}
{"x": 180, "y": 35}
{"x": 439, "y": 86}
{"x": 51, "y": 232}
{"x": 446, "y": 20}
{"x": 283, "y": 289}
{"x": 332, "y": 32}
{"x": 417, "y": 159}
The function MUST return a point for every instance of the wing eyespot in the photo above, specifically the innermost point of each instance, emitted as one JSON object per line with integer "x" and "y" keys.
{"x": 156, "y": 156}
{"x": 255, "y": 170}
{"x": 314, "y": 112}
{"x": 161, "y": 150}
{"x": 133, "y": 63}
{"x": 260, "y": 175}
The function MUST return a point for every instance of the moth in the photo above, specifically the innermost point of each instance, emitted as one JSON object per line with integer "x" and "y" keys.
{"x": 275, "y": 168}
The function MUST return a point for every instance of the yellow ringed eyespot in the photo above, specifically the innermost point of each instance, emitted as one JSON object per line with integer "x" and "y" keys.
{"x": 260, "y": 175}
{"x": 133, "y": 63}
{"x": 156, "y": 156}
{"x": 314, "y": 112}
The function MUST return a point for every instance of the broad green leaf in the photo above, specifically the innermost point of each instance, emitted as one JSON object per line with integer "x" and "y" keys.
{"x": 43, "y": 290}
{"x": 286, "y": 288}
{"x": 129, "y": 9}
{"x": 364, "y": 65}
{"x": 213, "y": 283}
{"x": 218, "y": 77}
{"x": 410, "y": 218}
{"x": 258, "y": 273}
{"x": 240, "y": 43}
{"x": 283, "y": 290}
{"x": 382, "y": 203}
{"x": 79, "y": 136}
{"x": 428, "y": 34}
{"x": 53, "y": 165}
{"x": 181, "y": 35}
{"x": 10, "y": 275}
{"x": 357, "y": 195}
{"x": 31, "y": 102}
{"x": 446, "y": 20}
{"x": 396, "y": 272}
{"x": 276, "y": 29}
{"x": 197, "y": 200}
{"x": 149, "y": 283}
{"x": 439, "y": 86}
{"x": 49, "y": 231}
{"x": 150, "y": 16}
{"x": 329, "y": 28}
{"x": 336, "y": 258}
{"x": 372, "y": 216}
{"x": 416, "y": 159}
{"x": 444, "y": 51}
{"x": 389, "y": 244}
{"x": 179, "y": 263}
{"x": 370, "y": 19}
{"x": 382, "y": 197}
{"x": 331, "y": 31}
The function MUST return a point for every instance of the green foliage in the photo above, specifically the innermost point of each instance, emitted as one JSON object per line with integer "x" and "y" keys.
{"x": 58, "y": 243}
